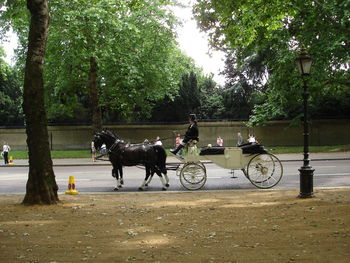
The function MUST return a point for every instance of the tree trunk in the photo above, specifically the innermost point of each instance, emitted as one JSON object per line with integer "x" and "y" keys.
{"x": 95, "y": 108}
{"x": 41, "y": 185}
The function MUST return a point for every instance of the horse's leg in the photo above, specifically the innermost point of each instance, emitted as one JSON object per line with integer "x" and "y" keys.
{"x": 164, "y": 183}
{"x": 120, "y": 180}
{"x": 148, "y": 173}
{"x": 150, "y": 178}
{"x": 166, "y": 180}
{"x": 115, "y": 174}
{"x": 121, "y": 175}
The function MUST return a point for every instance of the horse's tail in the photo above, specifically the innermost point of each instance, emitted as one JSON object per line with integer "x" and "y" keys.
{"x": 161, "y": 158}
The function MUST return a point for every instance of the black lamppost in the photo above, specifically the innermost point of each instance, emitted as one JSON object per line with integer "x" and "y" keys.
{"x": 304, "y": 62}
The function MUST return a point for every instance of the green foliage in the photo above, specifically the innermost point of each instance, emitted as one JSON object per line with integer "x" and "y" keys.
{"x": 211, "y": 99}
{"x": 134, "y": 45}
{"x": 10, "y": 95}
{"x": 244, "y": 86}
{"x": 273, "y": 30}
{"x": 198, "y": 94}
{"x": 186, "y": 101}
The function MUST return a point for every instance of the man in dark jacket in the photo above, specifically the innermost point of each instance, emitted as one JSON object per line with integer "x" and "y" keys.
{"x": 190, "y": 135}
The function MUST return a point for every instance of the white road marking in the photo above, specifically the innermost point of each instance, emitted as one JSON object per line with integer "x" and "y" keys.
{"x": 25, "y": 177}
{"x": 75, "y": 179}
{"x": 322, "y": 167}
{"x": 13, "y": 177}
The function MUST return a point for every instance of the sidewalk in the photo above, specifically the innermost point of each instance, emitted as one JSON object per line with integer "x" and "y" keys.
{"x": 283, "y": 157}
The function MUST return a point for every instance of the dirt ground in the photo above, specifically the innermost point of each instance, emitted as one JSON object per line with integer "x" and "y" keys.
{"x": 225, "y": 226}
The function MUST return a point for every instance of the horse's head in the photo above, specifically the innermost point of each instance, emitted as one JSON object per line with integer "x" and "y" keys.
{"x": 104, "y": 137}
{"x": 98, "y": 140}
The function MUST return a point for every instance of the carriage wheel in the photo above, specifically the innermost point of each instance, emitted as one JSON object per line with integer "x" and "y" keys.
{"x": 193, "y": 176}
{"x": 264, "y": 170}
{"x": 203, "y": 166}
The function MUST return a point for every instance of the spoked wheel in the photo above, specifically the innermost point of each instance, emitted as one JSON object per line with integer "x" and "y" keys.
{"x": 193, "y": 176}
{"x": 264, "y": 170}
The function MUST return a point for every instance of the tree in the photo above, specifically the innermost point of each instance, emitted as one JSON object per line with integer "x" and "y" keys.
{"x": 133, "y": 46}
{"x": 211, "y": 98}
{"x": 10, "y": 95}
{"x": 244, "y": 86}
{"x": 41, "y": 185}
{"x": 274, "y": 30}
{"x": 186, "y": 101}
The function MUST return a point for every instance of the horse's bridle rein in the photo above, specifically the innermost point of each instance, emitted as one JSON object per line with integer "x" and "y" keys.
{"x": 110, "y": 150}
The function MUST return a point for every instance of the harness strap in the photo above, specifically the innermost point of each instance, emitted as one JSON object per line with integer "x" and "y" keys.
{"x": 111, "y": 149}
{"x": 100, "y": 157}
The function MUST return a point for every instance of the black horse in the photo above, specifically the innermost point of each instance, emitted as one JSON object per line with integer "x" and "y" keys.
{"x": 120, "y": 154}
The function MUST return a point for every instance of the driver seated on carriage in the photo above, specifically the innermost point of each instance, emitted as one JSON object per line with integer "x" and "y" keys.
{"x": 190, "y": 135}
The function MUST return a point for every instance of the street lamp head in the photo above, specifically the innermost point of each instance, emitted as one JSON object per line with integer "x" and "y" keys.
{"x": 304, "y": 62}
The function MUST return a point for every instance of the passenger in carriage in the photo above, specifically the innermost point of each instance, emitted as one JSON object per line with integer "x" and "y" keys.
{"x": 178, "y": 140}
{"x": 219, "y": 141}
{"x": 252, "y": 138}
{"x": 190, "y": 135}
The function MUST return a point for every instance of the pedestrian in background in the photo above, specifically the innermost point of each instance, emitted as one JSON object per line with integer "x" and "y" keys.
{"x": 93, "y": 151}
{"x": 5, "y": 150}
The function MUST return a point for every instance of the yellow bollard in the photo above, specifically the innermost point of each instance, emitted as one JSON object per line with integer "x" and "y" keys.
{"x": 11, "y": 161}
{"x": 71, "y": 187}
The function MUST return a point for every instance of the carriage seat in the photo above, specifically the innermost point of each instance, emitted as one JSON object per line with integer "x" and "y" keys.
{"x": 252, "y": 148}
{"x": 247, "y": 148}
{"x": 212, "y": 150}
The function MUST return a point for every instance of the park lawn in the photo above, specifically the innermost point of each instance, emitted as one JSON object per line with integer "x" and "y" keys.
{"x": 298, "y": 149}
{"x": 278, "y": 149}
{"x": 57, "y": 154}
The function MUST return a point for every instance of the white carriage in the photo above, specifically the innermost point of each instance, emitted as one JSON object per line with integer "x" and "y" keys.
{"x": 264, "y": 170}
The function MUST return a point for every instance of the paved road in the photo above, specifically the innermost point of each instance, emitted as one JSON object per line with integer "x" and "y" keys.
{"x": 97, "y": 178}
{"x": 171, "y": 159}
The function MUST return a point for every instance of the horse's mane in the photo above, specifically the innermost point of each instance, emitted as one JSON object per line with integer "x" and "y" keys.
{"x": 110, "y": 133}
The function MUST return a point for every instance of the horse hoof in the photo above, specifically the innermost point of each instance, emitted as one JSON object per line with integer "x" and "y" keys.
{"x": 121, "y": 182}
{"x": 116, "y": 189}
{"x": 167, "y": 185}
{"x": 120, "y": 186}
{"x": 140, "y": 189}
{"x": 146, "y": 185}
{"x": 164, "y": 189}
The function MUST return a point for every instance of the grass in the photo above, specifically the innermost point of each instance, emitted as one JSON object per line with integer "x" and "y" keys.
{"x": 299, "y": 149}
{"x": 55, "y": 154}
{"x": 278, "y": 149}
